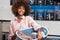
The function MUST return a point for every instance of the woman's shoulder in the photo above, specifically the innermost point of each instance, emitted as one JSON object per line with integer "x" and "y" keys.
{"x": 13, "y": 20}
{"x": 29, "y": 17}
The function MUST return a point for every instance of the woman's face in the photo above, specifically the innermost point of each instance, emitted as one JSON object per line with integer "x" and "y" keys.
{"x": 21, "y": 10}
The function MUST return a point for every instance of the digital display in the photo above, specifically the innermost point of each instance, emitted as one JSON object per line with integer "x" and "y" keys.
{"x": 44, "y": 9}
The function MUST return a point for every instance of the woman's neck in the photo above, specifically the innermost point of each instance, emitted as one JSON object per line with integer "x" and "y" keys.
{"x": 19, "y": 18}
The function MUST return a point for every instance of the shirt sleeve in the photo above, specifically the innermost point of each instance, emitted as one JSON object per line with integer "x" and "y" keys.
{"x": 34, "y": 24}
{"x": 11, "y": 33}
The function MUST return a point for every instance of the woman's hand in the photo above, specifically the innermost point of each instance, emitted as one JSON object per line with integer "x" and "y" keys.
{"x": 14, "y": 36}
{"x": 40, "y": 37}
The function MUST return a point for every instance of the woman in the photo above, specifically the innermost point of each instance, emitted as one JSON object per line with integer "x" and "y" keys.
{"x": 21, "y": 10}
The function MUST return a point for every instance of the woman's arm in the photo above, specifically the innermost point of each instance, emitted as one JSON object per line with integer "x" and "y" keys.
{"x": 11, "y": 32}
{"x": 39, "y": 34}
{"x": 36, "y": 27}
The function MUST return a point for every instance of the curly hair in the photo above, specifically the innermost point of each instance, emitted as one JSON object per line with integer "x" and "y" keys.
{"x": 19, "y": 3}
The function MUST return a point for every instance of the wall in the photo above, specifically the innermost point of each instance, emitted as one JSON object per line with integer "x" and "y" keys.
{"x": 53, "y": 26}
{"x": 0, "y": 31}
{"x": 5, "y": 10}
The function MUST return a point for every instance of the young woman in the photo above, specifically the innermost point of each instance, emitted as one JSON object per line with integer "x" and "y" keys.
{"x": 21, "y": 10}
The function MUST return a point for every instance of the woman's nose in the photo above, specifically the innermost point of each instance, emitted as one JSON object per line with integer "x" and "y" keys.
{"x": 20, "y": 10}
